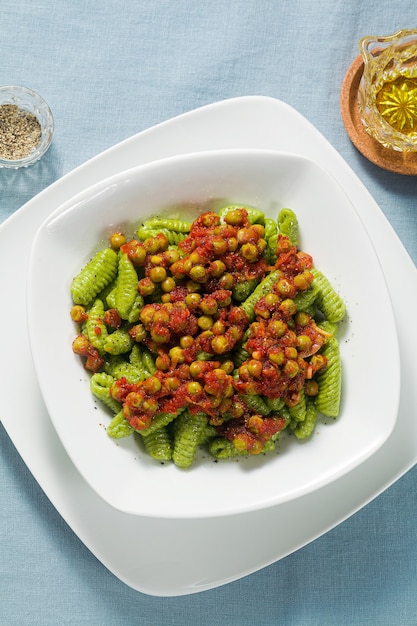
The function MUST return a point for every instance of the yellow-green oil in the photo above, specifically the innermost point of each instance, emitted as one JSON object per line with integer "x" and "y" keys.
{"x": 397, "y": 103}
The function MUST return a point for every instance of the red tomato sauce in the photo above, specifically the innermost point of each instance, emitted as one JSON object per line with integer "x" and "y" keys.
{"x": 195, "y": 317}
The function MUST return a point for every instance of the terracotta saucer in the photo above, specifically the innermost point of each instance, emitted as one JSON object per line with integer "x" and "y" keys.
{"x": 391, "y": 160}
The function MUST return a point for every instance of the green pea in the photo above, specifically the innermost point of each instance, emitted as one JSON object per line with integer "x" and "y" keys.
{"x": 168, "y": 284}
{"x": 205, "y": 322}
{"x": 303, "y": 342}
{"x": 157, "y": 274}
{"x": 198, "y": 273}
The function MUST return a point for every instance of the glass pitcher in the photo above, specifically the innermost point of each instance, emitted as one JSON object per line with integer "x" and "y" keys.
{"x": 388, "y": 89}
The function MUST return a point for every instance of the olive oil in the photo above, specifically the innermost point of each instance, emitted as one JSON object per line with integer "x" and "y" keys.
{"x": 396, "y": 102}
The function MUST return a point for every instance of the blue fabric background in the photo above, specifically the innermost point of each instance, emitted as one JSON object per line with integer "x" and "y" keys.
{"x": 110, "y": 69}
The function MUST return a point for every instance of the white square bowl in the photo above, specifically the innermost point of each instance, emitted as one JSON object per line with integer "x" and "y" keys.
{"x": 331, "y": 230}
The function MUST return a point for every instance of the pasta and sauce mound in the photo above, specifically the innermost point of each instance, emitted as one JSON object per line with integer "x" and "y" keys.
{"x": 218, "y": 333}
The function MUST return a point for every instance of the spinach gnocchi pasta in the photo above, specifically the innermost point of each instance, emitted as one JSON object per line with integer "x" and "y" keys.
{"x": 217, "y": 334}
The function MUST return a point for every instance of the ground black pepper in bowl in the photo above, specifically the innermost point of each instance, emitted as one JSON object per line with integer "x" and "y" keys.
{"x": 26, "y": 127}
{"x": 20, "y": 132}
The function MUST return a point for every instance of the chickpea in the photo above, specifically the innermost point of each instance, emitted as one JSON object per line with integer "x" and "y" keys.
{"x": 238, "y": 316}
{"x": 141, "y": 422}
{"x": 257, "y": 447}
{"x": 227, "y": 391}
{"x": 284, "y": 245}
{"x": 112, "y": 318}
{"x": 255, "y": 328}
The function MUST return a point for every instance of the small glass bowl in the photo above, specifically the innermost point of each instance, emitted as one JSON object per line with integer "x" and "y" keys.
{"x": 31, "y": 102}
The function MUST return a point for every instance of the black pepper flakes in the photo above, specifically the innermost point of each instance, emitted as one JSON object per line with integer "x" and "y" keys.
{"x": 20, "y": 132}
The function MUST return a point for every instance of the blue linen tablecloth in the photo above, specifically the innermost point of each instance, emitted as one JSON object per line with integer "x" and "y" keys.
{"x": 109, "y": 70}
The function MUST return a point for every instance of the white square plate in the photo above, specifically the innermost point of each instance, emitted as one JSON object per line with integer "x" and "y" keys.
{"x": 189, "y": 564}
